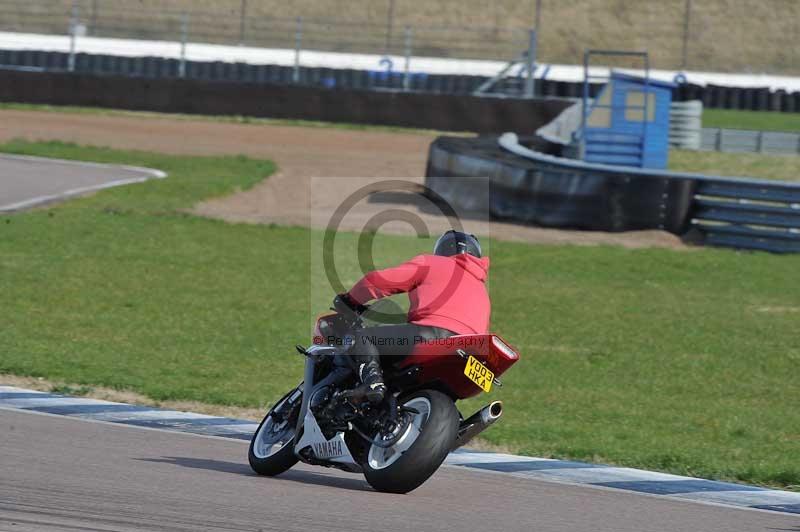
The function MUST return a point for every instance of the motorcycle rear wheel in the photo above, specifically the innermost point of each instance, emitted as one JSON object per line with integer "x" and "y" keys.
{"x": 272, "y": 447}
{"x": 420, "y": 451}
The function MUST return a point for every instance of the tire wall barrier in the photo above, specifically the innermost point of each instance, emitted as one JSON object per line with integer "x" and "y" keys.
{"x": 712, "y": 96}
{"x": 685, "y": 125}
{"x": 555, "y": 195}
{"x": 530, "y": 186}
{"x": 447, "y": 112}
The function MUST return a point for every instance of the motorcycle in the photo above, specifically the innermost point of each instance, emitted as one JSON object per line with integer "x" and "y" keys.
{"x": 396, "y": 444}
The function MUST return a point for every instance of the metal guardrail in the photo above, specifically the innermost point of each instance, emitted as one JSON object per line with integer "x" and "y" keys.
{"x": 749, "y": 214}
{"x": 750, "y": 141}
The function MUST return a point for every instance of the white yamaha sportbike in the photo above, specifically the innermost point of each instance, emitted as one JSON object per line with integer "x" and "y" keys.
{"x": 399, "y": 443}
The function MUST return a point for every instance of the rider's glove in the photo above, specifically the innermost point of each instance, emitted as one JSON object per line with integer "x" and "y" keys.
{"x": 344, "y": 304}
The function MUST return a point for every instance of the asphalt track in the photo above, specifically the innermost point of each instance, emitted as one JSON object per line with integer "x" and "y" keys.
{"x": 31, "y": 181}
{"x": 66, "y": 474}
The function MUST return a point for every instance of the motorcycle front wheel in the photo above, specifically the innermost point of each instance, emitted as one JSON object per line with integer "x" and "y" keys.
{"x": 427, "y": 439}
{"x": 272, "y": 447}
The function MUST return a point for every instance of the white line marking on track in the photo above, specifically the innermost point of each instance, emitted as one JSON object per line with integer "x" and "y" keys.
{"x": 34, "y": 402}
{"x": 120, "y": 425}
{"x": 149, "y": 415}
{"x": 601, "y": 474}
{"x": 745, "y": 498}
{"x": 150, "y": 173}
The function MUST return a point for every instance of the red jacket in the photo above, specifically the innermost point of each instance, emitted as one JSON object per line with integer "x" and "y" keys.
{"x": 446, "y": 292}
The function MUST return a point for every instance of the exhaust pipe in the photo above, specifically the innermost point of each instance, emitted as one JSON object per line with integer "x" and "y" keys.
{"x": 477, "y": 423}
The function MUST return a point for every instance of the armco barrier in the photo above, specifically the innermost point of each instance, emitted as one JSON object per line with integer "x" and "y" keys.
{"x": 712, "y": 96}
{"x": 534, "y": 187}
{"x": 750, "y": 141}
{"x": 447, "y": 112}
{"x": 749, "y": 214}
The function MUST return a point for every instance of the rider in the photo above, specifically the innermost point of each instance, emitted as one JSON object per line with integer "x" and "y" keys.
{"x": 447, "y": 295}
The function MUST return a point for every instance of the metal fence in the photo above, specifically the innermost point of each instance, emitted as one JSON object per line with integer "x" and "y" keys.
{"x": 679, "y": 34}
{"x": 240, "y": 24}
{"x": 750, "y": 141}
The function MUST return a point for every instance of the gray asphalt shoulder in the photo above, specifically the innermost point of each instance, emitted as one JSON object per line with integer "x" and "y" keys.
{"x": 58, "y": 473}
{"x": 27, "y": 182}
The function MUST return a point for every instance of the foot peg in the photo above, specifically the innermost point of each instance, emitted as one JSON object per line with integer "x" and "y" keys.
{"x": 374, "y": 393}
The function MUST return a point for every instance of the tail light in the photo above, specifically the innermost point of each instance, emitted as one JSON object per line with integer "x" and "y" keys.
{"x": 504, "y": 348}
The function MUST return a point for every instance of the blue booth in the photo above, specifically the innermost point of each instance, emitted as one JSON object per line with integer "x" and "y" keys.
{"x": 628, "y": 123}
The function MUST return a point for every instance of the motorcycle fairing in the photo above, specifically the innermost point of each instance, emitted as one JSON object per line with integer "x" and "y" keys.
{"x": 438, "y": 361}
{"x": 322, "y": 448}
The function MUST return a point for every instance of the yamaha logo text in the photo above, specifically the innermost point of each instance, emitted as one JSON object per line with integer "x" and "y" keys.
{"x": 328, "y": 449}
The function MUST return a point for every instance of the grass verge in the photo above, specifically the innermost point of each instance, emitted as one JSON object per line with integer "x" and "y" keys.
{"x": 674, "y": 361}
{"x": 780, "y": 167}
{"x": 760, "y": 120}
{"x": 131, "y": 397}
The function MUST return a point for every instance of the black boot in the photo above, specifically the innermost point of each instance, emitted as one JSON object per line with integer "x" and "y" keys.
{"x": 372, "y": 388}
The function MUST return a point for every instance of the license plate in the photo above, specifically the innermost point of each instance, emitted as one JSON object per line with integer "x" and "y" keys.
{"x": 479, "y": 374}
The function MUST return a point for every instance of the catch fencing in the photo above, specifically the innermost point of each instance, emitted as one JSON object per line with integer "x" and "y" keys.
{"x": 680, "y": 34}
{"x": 250, "y": 23}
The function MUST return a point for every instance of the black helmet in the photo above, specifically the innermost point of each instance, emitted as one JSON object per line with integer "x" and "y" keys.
{"x": 455, "y": 243}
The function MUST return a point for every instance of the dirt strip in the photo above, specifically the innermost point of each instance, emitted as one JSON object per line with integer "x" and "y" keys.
{"x": 303, "y": 155}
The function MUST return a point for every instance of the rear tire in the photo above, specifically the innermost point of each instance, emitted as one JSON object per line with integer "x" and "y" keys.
{"x": 281, "y": 457}
{"x": 418, "y": 462}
